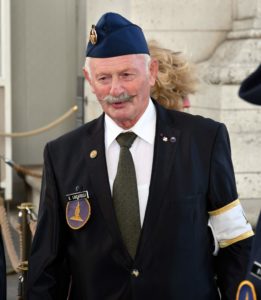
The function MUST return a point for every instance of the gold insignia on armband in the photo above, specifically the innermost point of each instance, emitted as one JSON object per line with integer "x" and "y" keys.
{"x": 93, "y": 35}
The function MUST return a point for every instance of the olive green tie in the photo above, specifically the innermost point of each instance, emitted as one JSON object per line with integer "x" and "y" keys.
{"x": 125, "y": 194}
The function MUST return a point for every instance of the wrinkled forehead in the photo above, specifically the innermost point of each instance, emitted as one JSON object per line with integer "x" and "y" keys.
{"x": 131, "y": 61}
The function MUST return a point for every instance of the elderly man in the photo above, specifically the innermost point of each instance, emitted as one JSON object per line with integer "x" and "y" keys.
{"x": 250, "y": 90}
{"x": 135, "y": 203}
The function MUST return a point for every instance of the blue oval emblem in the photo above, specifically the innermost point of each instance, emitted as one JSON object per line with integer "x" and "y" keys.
{"x": 78, "y": 213}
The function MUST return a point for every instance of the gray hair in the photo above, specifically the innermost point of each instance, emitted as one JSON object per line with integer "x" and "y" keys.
{"x": 147, "y": 60}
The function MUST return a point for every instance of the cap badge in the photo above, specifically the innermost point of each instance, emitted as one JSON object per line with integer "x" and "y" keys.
{"x": 93, "y": 35}
{"x": 78, "y": 210}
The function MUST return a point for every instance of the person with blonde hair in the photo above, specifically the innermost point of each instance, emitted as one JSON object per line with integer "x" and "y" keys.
{"x": 176, "y": 78}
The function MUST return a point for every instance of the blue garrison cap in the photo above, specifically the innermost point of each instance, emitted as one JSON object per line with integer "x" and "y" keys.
{"x": 114, "y": 35}
{"x": 250, "y": 89}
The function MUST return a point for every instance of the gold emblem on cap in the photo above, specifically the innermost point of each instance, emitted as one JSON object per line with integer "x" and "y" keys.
{"x": 93, "y": 153}
{"x": 93, "y": 35}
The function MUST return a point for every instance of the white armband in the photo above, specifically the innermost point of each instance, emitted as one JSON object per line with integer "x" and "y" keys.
{"x": 229, "y": 224}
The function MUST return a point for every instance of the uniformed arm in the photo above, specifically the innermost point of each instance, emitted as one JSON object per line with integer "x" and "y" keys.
{"x": 47, "y": 275}
{"x": 230, "y": 227}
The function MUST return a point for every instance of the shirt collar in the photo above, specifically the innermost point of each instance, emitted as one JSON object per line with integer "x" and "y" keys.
{"x": 145, "y": 127}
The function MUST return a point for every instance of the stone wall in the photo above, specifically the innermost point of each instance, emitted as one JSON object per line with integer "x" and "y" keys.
{"x": 191, "y": 26}
{"x": 233, "y": 60}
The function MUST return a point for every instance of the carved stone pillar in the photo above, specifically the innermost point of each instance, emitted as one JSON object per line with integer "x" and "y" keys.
{"x": 241, "y": 52}
{"x": 5, "y": 98}
{"x": 232, "y": 62}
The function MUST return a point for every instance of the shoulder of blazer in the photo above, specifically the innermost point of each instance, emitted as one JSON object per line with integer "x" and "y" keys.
{"x": 93, "y": 127}
{"x": 185, "y": 121}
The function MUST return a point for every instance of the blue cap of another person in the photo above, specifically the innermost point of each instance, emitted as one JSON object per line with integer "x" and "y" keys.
{"x": 114, "y": 35}
{"x": 250, "y": 89}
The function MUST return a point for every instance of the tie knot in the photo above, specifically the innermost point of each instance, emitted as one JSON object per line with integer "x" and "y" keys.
{"x": 126, "y": 139}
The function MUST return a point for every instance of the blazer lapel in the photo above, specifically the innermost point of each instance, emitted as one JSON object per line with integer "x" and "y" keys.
{"x": 166, "y": 143}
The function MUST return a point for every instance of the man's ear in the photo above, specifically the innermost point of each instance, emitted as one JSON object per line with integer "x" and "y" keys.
{"x": 153, "y": 71}
{"x": 88, "y": 78}
{"x": 86, "y": 75}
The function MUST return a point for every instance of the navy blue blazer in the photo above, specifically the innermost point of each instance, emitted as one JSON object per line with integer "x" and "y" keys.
{"x": 174, "y": 260}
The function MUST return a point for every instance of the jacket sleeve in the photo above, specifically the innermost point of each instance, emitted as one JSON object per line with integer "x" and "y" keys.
{"x": 230, "y": 227}
{"x": 48, "y": 276}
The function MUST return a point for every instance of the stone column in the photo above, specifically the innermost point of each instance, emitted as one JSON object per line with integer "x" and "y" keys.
{"x": 5, "y": 97}
{"x": 233, "y": 61}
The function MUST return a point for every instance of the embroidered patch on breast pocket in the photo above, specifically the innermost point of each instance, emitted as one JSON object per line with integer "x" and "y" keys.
{"x": 78, "y": 209}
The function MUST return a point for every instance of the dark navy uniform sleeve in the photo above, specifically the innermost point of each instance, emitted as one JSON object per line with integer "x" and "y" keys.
{"x": 254, "y": 267}
{"x": 222, "y": 187}
{"x": 47, "y": 276}
{"x": 230, "y": 227}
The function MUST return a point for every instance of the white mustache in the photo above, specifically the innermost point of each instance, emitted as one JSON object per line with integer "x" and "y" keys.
{"x": 125, "y": 97}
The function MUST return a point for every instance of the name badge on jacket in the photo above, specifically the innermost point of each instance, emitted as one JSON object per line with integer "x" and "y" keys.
{"x": 78, "y": 209}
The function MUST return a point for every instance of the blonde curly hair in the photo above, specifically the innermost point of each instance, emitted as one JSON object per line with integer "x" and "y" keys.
{"x": 176, "y": 77}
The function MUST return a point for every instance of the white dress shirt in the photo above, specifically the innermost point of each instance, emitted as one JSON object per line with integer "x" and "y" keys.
{"x": 141, "y": 150}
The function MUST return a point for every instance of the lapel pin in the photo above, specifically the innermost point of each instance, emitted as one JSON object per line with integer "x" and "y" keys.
{"x": 173, "y": 139}
{"x": 165, "y": 139}
{"x": 93, "y": 154}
